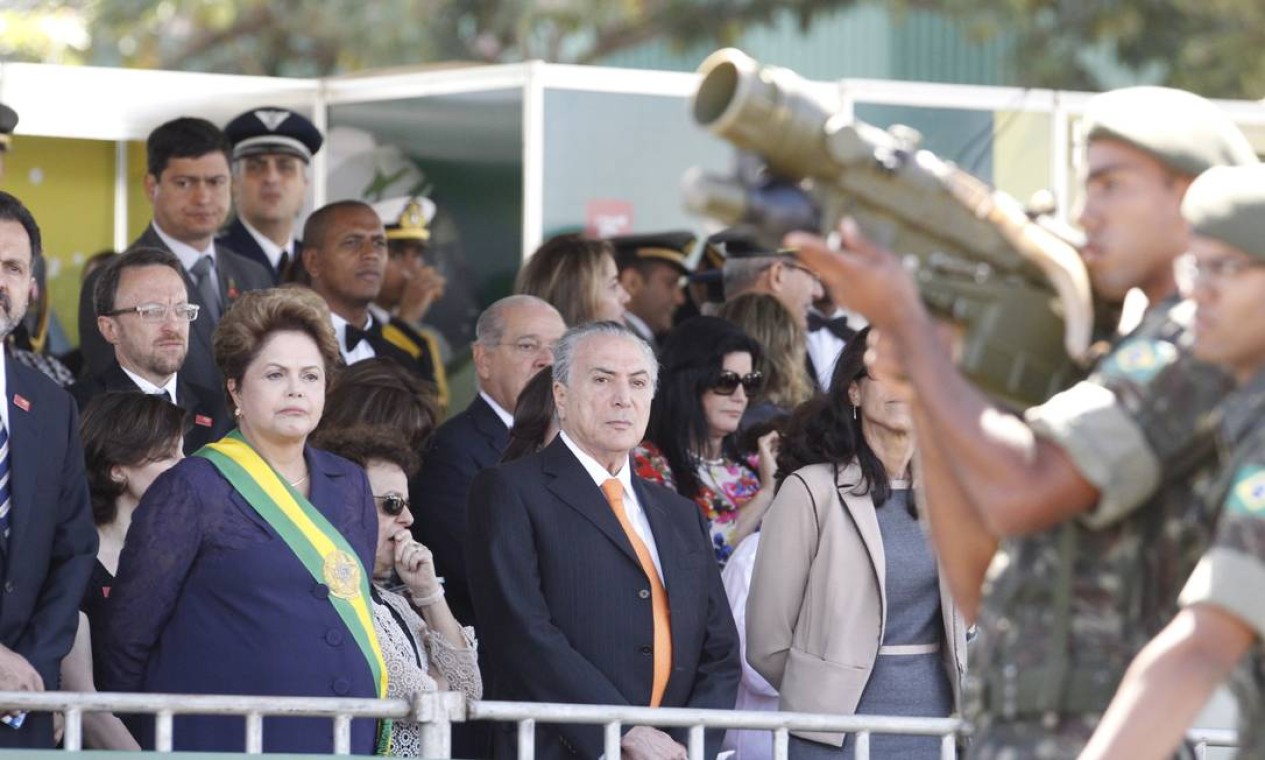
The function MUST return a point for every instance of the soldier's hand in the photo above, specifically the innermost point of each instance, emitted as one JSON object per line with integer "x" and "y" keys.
{"x": 863, "y": 276}
{"x": 884, "y": 363}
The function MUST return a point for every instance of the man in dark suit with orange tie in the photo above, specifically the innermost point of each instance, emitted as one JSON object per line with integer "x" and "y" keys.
{"x": 592, "y": 586}
{"x": 47, "y": 539}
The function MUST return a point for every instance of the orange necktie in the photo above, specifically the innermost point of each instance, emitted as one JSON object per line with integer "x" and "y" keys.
{"x": 658, "y": 596}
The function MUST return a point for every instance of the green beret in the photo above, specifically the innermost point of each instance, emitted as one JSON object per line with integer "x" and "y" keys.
{"x": 1228, "y": 204}
{"x": 1184, "y": 131}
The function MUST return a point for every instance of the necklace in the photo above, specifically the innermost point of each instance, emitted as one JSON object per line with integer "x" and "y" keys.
{"x": 297, "y": 483}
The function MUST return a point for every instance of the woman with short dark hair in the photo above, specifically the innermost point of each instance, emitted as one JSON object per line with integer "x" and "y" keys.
{"x": 425, "y": 648}
{"x": 245, "y": 569}
{"x": 706, "y": 380}
{"x": 129, "y": 439}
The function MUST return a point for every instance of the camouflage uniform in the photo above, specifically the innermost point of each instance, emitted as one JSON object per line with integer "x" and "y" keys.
{"x": 1065, "y": 610}
{"x": 1232, "y": 573}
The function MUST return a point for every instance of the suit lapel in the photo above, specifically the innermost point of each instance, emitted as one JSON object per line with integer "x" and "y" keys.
{"x": 489, "y": 425}
{"x": 572, "y": 485}
{"x": 666, "y": 537}
{"x": 861, "y": 508}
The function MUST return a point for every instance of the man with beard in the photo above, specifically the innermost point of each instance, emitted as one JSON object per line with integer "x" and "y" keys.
{"x": 188, "y": 185}
{"x": 345, "y": 255}
{"x": 143, "y": 310}
{"x": 47, "y": 540}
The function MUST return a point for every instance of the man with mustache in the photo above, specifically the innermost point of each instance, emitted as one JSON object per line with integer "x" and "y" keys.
{"x": 345, "y": 256}
{"x": 48, "y": 542}
{"x": 143, "y": 311}
{"x": 188, "y": 185}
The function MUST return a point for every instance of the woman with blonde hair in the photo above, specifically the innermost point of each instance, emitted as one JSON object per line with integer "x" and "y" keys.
{"x": 783, "y": 361}
{"x": 578, "y": 277}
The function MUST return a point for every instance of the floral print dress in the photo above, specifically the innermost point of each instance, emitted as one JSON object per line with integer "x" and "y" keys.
{"x": 726, "y": 486}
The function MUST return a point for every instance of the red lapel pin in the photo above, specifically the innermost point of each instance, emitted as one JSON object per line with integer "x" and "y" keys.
{"x": 20, "y": 402}
{"x": 202, "y": 420}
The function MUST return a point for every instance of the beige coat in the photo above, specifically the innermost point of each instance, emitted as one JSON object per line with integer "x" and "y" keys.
{"x": 816, "y": 612}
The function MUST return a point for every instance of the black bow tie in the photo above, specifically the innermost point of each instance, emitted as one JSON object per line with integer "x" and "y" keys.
{"x": 353, "y": 335}
{"x": 838, "y": 326}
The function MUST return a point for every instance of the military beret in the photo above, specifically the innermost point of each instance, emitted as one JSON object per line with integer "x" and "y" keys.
{"x": 1184, "y": 131}
{"x": 8, "y": 120}
{"x": 273, "y": 130}
{"x": 671, "y": 248}
{"x": 1228, "y": 204}
{"x": 406, "y": 217}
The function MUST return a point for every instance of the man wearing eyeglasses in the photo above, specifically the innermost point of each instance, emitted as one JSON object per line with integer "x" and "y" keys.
{"x": 1067, "y": 535}
{"x": 143, "y": 311}
{"x": 1222, "y": 623}
{"x": 514, "y": 339}
{"x": 752, "y": 268}
{"x": 188, "y": 186}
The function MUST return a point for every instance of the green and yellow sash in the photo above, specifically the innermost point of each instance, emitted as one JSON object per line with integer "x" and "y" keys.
{"x": 317, "y": 544}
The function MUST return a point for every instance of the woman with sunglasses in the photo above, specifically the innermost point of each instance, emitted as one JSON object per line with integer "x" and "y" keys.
{"x": 705, "y": 383}
{"x": 847, "y": 613}
{"x": 424, "y": 646}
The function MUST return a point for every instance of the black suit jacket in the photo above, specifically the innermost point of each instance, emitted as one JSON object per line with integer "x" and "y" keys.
{"x": 237, "y": 274}
{"x": 238, "y": 239}
{"x": 564, "y": 606}
{"x": 463, "y": 446}
{"x": 208, "y": 411}
{"x": 53, "y": 543}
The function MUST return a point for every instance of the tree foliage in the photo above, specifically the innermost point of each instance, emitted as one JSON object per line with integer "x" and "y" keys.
{"x": 1210, "y": 46}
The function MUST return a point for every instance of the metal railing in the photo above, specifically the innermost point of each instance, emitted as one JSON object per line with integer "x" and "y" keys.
{"x": 437, "y": 711}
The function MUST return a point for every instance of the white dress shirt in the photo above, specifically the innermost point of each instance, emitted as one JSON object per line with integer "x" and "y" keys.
{"x": 632, "y": 507}
{"x": 505, "y": 416}
{"x": 147, "y": 387}
{"x": 362, "y": 350}
{"x": 271, "y": 250}
{"x": 187, "y": 254}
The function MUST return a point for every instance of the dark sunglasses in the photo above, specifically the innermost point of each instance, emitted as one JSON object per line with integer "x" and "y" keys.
{"x": 728, "y": 382}
{"x": 392, "y": 504}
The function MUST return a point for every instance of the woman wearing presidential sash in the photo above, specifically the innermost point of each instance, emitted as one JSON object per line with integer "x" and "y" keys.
{"x": 244, "y": 570}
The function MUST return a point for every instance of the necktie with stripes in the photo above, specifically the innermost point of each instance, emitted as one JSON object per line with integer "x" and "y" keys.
{"x": 6, "y": 500}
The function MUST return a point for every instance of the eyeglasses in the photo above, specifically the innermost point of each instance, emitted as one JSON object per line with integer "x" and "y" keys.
{"x": 728, "y": 381}
{"x": 1192, "y": 271}
{"x": 393, "y": 503}
{"x": 157, "y": 312}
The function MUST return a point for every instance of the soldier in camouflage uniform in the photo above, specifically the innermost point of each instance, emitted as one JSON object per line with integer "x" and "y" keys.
{"x": 1223, "y": 616}
{"x": 1068, "y": 536}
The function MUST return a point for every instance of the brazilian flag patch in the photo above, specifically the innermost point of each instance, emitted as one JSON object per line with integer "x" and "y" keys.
{"x": 1139, "y": 360}
{"x": 1247, "y": 495}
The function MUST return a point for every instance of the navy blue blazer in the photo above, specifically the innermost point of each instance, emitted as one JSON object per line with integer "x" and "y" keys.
{"x": 52, "y": 545}
{"x": 236, "y": 274}
{"x": 463, "y": 446}
{"x": 208, "y": 410}
{"x": 564, "y": 607}
{"x": 210, "y": 600}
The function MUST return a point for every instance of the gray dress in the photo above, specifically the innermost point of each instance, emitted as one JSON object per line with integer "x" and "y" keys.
{"x": 901, "y": 684}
